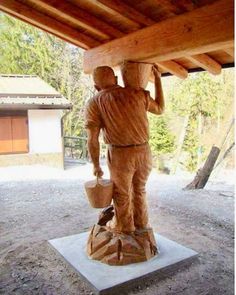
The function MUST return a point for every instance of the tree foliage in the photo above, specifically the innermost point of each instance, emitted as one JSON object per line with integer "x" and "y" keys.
{"x": 30, "y": 51}
{"x": 205, "y": 99}
{"x": 162, "y": 140}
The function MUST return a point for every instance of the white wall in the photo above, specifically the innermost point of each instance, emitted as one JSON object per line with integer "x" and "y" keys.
{"x": 45, "y": 131}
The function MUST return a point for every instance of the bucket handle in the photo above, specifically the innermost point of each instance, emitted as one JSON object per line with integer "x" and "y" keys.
{"x": 97, "y": 179}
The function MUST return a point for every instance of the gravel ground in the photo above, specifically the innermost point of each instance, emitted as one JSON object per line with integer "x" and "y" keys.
{"x": 38, "y": 204}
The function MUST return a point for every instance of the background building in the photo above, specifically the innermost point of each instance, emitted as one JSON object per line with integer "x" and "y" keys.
{"x": 31, "y": 114}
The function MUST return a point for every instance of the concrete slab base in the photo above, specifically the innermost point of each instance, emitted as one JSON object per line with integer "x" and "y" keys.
{"x": 105, "y": 279}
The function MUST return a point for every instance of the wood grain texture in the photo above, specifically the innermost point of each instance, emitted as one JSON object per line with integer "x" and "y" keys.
{"x": 206, "y": 62}
{"x": 230, "y": 51}
{"x": 47, "y": 23}
{"x": 174, "y": 68}
{"x": 19, "y": 134}
{"x": 5, "y": 135}
{"x": 128, "y": 11}
{"x": 111, "y": 16}
{"x": 204, "y": 29}
{"x": 121, "y": 248}
{"x": 78, "y": 17}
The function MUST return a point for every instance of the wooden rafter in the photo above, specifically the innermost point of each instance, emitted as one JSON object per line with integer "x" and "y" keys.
{"x": 80, "y": 18}
{"x": 47, "y": 23}
{"x": 127, "y": 22}
{"x": 230, "y": 51}
{"x": 206, "y": 62}
{"x": 170, "y": 7}
{"x": 186, "y": 5}
{"x": 122, "y": 8}
{"x": 204, "y": 29}
{"x": 174, "y": 68}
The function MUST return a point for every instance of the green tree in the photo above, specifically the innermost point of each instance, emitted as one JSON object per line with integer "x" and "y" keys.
{"x": 161, "y": 138}
{"x": 204, "y": 98}
{"x": 30, "y": 51}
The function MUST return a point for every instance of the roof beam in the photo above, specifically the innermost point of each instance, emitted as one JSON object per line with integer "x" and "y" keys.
{"x": 174, "y": 68}
{"x": 129, "y": 24}
{"x": 47, "y": 23}
{"x": 230, "y": 51}
{"x": 170, "y": 7}
{"x": 80, "y": 18}
{"x": 122, "y": 8}
{"x": 206, "y": 62}
{"x": 208, "y": 28}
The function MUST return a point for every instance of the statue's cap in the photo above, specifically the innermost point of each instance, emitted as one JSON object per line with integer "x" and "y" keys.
{"x": 103, "y": 73}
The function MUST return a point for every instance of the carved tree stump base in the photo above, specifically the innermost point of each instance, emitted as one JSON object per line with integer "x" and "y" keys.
{"x": 120, "y": 248}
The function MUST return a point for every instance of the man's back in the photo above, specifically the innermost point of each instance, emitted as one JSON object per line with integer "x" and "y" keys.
{"x": 121, "y": 113}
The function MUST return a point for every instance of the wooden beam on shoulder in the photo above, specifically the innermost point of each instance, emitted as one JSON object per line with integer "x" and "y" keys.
{"x": 122, "y": 8}
{"x": 208, "y": 28}
{"x": 230, "y": 51}
{"x": 80, "y": 18}
{"x": 47, "y": 23}
{"x": 206, "y": 62}
{"x": 174, "y": 68}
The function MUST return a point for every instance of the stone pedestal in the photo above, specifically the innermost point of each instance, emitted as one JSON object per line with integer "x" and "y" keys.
{"x": 106, "y": 279}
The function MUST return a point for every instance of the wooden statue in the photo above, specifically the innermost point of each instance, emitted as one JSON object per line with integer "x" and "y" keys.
{"x": 122, "y": 234}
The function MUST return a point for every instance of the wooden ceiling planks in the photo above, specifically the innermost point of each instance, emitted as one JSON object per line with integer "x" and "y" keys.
{"x": 128, "y": 11}
{"x": 204, "y": 29}
{"x": 111, "y": 16}
{"x": 47, "y": 23}
{"x": 95, "y": 23}
{"x": 67, "y": 12}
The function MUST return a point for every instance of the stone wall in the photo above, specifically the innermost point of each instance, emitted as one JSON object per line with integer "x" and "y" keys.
{"x": 49, "y": 159}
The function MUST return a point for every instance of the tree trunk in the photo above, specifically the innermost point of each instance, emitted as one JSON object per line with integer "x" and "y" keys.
{"x": 203, "y": 174}
{"x": 180, "y": 144}
{"x": 199, "y": 150}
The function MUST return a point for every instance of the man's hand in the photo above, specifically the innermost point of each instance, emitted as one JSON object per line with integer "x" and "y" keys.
{"x": 97, "y": 171}
{"x": 156, "y": 71}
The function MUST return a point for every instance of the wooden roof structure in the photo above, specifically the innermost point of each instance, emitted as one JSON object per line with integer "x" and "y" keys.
{"x": 180, "y": 36}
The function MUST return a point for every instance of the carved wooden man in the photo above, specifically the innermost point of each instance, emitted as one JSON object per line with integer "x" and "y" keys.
{"x": 121, "y": 113}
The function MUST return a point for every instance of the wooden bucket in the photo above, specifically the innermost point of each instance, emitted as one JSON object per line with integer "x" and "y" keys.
{"x": 135, "y": 74}
{"x": 99, "y": 192}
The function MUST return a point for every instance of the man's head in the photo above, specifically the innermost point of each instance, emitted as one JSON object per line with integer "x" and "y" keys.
{"x": 104, "y": 77}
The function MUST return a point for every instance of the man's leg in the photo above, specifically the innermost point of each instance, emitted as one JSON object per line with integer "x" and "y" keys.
{"x": 144, "y": 167}
{"x": 121, "y": 167}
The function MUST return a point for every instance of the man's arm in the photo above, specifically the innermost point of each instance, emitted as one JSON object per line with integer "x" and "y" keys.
{"x": 94, "y": 149}
{"x": 157, "y": 106}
